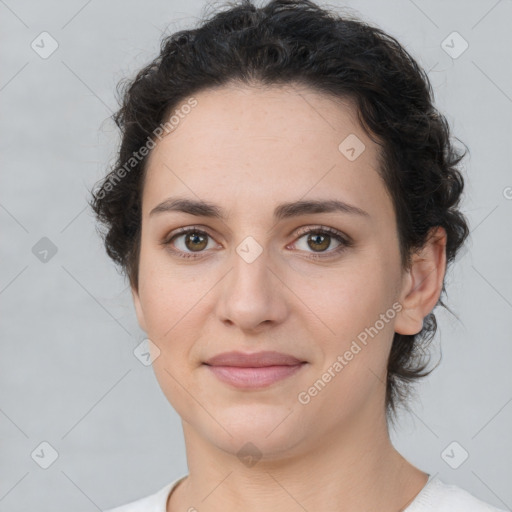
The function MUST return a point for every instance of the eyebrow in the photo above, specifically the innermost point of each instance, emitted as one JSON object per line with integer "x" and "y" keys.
{"x": 282, "y": 211}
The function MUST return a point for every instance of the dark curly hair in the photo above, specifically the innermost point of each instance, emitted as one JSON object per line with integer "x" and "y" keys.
{"x": 298, "y": 42}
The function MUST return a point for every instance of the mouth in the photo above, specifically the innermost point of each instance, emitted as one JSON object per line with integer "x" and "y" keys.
{"x": 253, "y": 371}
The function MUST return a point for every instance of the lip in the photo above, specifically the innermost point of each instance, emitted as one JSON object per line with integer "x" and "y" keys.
{"x": 256, "y": 370}
{"x": 253, "y": 360}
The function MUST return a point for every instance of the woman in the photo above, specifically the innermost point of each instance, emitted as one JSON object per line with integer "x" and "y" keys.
{"x": 285, "y": 204}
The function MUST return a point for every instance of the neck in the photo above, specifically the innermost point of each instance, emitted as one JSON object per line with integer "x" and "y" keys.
{"x": 351, "y": 469}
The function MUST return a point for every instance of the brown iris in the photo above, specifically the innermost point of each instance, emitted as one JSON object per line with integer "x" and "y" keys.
{"x": 198, "y": 241}
{"x": 319, "y": 245}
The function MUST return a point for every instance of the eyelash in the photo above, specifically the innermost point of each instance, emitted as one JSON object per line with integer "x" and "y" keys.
{"x": 345, "y": 242}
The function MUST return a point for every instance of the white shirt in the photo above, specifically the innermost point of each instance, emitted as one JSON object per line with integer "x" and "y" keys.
{"x": 436, "y": 496}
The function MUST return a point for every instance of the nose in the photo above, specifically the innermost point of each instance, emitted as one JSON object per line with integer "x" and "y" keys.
{"x": 252, "y": 295}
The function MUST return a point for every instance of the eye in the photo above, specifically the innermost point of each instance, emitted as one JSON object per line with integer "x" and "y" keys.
{"x": 193, "y": 240}
{"x": 319, "y": 239}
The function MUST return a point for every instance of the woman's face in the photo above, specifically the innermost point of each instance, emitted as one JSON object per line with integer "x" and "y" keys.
{"x": 255, "y": 280}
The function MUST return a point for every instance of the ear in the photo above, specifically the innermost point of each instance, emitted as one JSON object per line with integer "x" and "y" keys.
{"x": 138, "y": 309}
{"x": 422, "y": 285}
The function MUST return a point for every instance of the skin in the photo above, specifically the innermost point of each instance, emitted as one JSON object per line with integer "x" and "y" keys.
{"x": 247, "y": 149}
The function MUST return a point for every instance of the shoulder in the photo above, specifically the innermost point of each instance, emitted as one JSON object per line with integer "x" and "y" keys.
{"x": 156, "y": 502}
{"x": 441, "y": 497}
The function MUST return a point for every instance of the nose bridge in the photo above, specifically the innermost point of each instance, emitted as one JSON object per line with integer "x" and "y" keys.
{"x": 251, "y": 293}
{"x": 251, "y": 272}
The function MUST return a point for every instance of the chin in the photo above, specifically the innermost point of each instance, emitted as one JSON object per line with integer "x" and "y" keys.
{"x": 271, "y": 429}
{"x": 257, "y": 445}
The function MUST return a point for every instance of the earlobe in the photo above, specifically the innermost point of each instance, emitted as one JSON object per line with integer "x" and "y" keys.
{"x": 423, "y": 283}
{"x": 138, "y": 309}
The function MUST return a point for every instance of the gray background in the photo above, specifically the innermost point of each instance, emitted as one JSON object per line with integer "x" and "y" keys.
{"x": 68, "y": 373}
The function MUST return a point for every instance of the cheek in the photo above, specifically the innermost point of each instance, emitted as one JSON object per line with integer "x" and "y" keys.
{"x": 165, "y": 294}
{"x": 355, "y": 297}
{"x": 176, "y": 303}
{"x": 171, "y": 305}
{"x": 356, "y": 304}
{"x": 358, "y": 308}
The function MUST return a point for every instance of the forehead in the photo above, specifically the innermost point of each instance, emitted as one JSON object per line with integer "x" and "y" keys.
{"x": 252, "y": 146}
